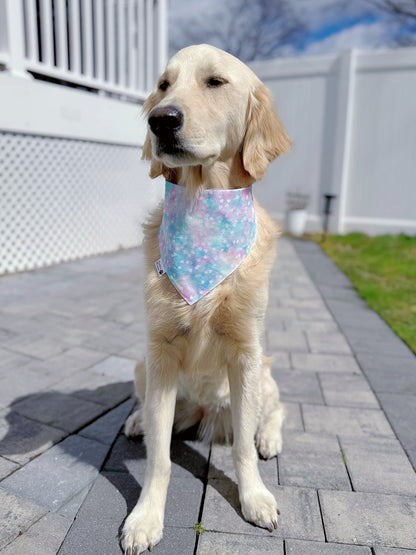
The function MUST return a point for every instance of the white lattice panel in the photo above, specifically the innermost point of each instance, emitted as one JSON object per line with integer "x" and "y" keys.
{"x": 62, "y": 199}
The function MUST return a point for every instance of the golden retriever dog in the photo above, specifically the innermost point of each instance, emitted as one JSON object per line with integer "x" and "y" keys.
{"x": 212, "y": 126}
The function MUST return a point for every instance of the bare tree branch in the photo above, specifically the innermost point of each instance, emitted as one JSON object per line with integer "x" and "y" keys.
{"x": 249, "y": 30}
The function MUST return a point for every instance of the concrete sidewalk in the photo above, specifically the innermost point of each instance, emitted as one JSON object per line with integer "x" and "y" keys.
{"x": 69, "y": 339}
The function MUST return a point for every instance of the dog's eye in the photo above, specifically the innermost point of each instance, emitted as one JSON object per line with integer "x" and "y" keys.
{"x": 163, "y": 85}
{"x": 214, "y": 82}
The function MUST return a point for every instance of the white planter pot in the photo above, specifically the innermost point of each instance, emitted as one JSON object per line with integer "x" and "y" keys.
{"x": 296, "y": 222}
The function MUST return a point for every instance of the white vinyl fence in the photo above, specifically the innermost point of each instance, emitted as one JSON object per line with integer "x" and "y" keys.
{"x": 352, "y": 119}
{"x": 118, "y": 46}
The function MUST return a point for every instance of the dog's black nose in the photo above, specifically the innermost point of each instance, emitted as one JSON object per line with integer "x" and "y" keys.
{"x": 165, "y": 120}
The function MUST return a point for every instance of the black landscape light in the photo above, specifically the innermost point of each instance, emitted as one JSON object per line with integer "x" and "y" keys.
{"x": 327, "y": 211}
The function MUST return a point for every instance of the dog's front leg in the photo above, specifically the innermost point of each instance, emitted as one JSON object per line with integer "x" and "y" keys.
{"x": 258, "y": 505}
{"x": 144, "y": 526}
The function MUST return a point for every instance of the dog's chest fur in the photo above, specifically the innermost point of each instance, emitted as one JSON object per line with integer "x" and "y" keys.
{"x": 204, "y": 336}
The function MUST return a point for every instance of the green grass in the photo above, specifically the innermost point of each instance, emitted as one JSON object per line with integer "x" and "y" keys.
{"x": 199, "y": 529}
{"x": 383, "y": 270}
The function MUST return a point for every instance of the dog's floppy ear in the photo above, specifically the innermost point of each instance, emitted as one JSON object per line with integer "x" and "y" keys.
{"x": 156, "y": 167}
{"x": 265, "y": 137}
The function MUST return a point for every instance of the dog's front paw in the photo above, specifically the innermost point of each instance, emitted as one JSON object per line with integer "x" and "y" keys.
{"x": 142, "y": 530}
{"x": 260, "y": 507}
{"x": 269, "y": 442}
{"x": 134, "y": 424}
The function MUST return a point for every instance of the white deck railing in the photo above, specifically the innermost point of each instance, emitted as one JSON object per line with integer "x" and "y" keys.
{"x": 116, "y": 46}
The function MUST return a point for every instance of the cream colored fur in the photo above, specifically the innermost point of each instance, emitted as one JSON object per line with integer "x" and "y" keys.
{"x": 204, "y": 362}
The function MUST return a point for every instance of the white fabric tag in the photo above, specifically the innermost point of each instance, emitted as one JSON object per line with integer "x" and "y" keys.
{"x": 159, "y": 267}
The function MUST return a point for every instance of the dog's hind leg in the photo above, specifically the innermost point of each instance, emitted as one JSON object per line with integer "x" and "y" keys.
{"x": 187, "y": 413}
{"x": 269, "y": 432}
{"x": 134, "y": 423}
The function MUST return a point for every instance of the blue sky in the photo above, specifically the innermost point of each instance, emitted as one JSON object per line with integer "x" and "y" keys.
{"x": 325, "y": 26}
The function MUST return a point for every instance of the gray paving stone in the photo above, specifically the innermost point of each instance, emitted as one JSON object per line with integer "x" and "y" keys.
{"x": 322, "y": 342}
{"x": 280, "y": 360}
{"x": 313, "y": 304}
{"x": 278, "y": 314}
{"x": 338, "y": 292}
{"x": 319, "y": 327}
{"x": 313, "y": 461}
{"x": 321, "y": 268}
{"x": 222, "y": 466}
{"x": 16, "y": 516}
{"x": 21, "y": 324}
{"x": 91, "y": 535}
{"x": 69, "y": 362}
{"x": 9, "y": 360}
{"x": 345, "y": 421}
{"x": 381, "y": 340}
{"x": 37, "y": 346}
{"x": 293, "y": 420}
{"x": 350, "y": 517}
{"x": 347, "y": 390}
{"x": 214, "y": 543}
{"x": 57, "y": 475}
{"x": 387, "y": 362}
{"x": 389, "y": 374}
{"x": 70, "y": 509}
{"x": 356, "y": 315}
{"x": 401, "y": 412}
{"x": 59, "y": 410}
{"x": 98, "y": 388}
{"x": 183, "y": 502}
{"x": 113, "y": 342}
{"x": 312, "y": 362}
{"x": 305, "y": 292}
{"x": 135, "y": 351}
{"x": 43, "y": 538}
{"x": 393, "y": 551}
{"x": 117, "y": 367}
{"x": 189, "y": 458}
{"x": 7, "y": 467}
{"x": 176, "y": 540}
{"x": 22, "y": 382}
{"x": 22, "y": 438}
{"x": 379, "y": 465}
{"x": 106, "y": 428}
{"x": 127, "y": 455}
{"x": 315, "y": 315}
{"x": 298, "y": 387}
{"x": 125, "y": 314}
{"x": 139, "y": 327}
{"x": 286, "y": 340}
{"x": 300, "y": 547}
{"x": 300, "y": 516}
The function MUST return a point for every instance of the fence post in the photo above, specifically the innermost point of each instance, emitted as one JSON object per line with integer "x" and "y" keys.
{"x": 343, "y": 136}
{"x": 16, "y": 38}
{"x": 162, "y": 35}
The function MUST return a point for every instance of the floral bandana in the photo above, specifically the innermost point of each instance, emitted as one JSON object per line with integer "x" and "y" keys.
{"x": 203, "y": 241}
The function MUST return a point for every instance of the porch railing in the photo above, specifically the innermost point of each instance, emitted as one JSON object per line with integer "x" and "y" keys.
{"x": 114, "y": 46}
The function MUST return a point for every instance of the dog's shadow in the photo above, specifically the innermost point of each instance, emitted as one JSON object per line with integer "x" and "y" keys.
{"x": 183, "y": 455}
{"x": 124, "y": 465}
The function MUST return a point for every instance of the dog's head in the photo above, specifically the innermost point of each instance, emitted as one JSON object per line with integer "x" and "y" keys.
{"x": 209, "y": 107}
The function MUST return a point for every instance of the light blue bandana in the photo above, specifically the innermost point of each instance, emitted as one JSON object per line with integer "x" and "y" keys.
{"x": 203, "y": 241}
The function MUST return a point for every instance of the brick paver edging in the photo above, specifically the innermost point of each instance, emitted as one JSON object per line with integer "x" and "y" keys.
{"x": 387, "y": 362}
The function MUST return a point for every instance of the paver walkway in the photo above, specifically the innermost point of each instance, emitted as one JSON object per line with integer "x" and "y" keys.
{"x": 69, "y": 339}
